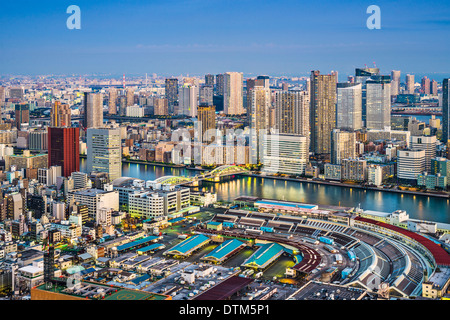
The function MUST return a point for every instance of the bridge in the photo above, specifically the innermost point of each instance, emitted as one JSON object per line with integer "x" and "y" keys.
{"x": 214, "y": 176}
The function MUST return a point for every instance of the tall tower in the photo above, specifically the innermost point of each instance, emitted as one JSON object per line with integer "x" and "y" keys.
{"x": 410, "y": 83}
{"x": 105, "y": 151}
{"x": 64, "y": 149}
{"x": 259, "y": 98}
{"x": 322, "y": 111}
{"x": 60, "y": 115}
{"x": 445, "y": 111}
{"x": 22, "y": 114}
{"x": 349, "y": 106}
{"x": 112, "y": 103}
{"x": 93, "y": 110}
{"x": 378, "y": 102}
{"x": 206, "y": 121}
{"x": 292, "y": 112}
{"x": 361, "y": 76}
{"x": 172, "y": 94}
{"x": 233, "y": 95}
{"x": 395, "y": 83}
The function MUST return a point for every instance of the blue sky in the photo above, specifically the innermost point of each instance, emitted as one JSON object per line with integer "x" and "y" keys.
{"x": 173, "y": 37}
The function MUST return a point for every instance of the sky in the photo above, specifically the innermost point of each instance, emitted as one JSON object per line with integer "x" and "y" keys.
{"x": 195, "y": 37}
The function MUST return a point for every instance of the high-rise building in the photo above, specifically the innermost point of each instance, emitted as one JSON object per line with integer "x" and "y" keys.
{"x": 343, "y": 145}
{"x": 361, "y": 76}
{"x": 378, "y": 102}
{"x": 112, "y": 103}
{"x": 22, "y": 114}
{"x": 206, "y": 95}
{"x": 209, "y": 80}
{"x": 445, "y": 111}
{"x": 425, "y": 85}
{"x": 349, "y": 106}
{"x": 395, "y": 82}
{"x": 434, "y": 87}
{"x": 410, "y": 83}
{"x": 104, "y": 151}
{"x": 93, "y": 110}
{"x": 172, "y": 94}
{"x": 60, "y": 115}
{"x": 130, "y": 96}
{"x": 64, "y": 149}
{"x": 220, "y": 84}
{"x": 122, "y": 105}
{"x": 427, "y": 143}
{"x": 232, "y": 97}
{"x": 292, "y": 112}
{"x": 322, "y": 112}
{"x": 161, "y": 106}
{"x": 285, "y": 153}
{"x": 188, "y": 101}
{"x": 2, "y": 96}
{"x": 206, "y": 121}
{"x": 259, "y": 98}
{"x": 410, "y": 164}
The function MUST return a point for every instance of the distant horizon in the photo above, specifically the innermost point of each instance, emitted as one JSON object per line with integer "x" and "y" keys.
{"x": 173, "y": 37}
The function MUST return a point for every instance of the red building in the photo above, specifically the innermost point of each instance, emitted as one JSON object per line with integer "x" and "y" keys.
{"x": 64, "y": 149}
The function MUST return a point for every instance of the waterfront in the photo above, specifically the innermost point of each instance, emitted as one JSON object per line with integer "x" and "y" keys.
{"x": 417, "y": 206}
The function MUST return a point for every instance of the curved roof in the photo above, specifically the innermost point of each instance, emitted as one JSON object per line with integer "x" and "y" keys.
{"x": 122, "y": 180}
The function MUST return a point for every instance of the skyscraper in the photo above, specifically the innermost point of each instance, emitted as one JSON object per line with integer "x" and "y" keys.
{"x": 395, "y": 82}
{"x": 361, "y": 76}
{"x": 343, "y": 145}
{"x": 60, "y": 115}
{"x": 161, "y": 107}
{"x": 64, "y": 149}
{"x": 427, "y": 143}
{"x": 425, "y": 85}
{"x": 220, "y": 84}
{"x": 232, "y": 97}
{"x": 349, "y": 106}
{"x": 206, "y": 121}
{"x": 410, "y": 83}
{"x": 434, "y": 87}
{"x": 378, "y": 102}
{"x": 112, "y": 101}
{"x": 93, "y": 110}
{"x": 209, "y": 80}
{"x": 130, "y": 97}
{"x": 206, "y": 95}
{"x": 104, "y": 151}
{"x": 445, "y": 111}
{"x": 22, "y": 114}
{"x": 172, "y": 94}
{"x": 188, "y": 101}
{"x": 292, "y": 112}
{"x": 322, "y": 112}
{"x": 259, "y": 98}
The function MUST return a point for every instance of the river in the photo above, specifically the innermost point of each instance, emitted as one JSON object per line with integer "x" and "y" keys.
{"x": 417, "y": 206}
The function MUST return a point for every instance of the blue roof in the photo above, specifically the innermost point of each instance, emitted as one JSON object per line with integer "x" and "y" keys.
{"x": 189, "y": 244}
{"x": 264, "y": 255}
{"x": 177, "y": 220}
{"x": 215, "y": 223}
{"x": 286, "y": 204}
{"x": 150, "y": 247}
{"x": 224, "y": 249}
{"x": 136, "y": 243}
{"x": 140, "y": 279}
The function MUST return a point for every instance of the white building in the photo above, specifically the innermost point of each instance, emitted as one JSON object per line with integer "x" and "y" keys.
{"x": 135, "y": 111}
{"x": 378, "y": 104}
{"x": 410, "y": 163}
{"x": 349, "y": 106}
{"x": 427, "y": 143}
{"x": 233, "y": 93}
{"x": 95, "y": 199}
{"x": 188, "y": 100}
{"x": 375, "y": 175}
{"x": 285, "y": 153}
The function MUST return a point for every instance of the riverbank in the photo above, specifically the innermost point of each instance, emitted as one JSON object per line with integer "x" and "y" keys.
{"x": 347, "y": 185}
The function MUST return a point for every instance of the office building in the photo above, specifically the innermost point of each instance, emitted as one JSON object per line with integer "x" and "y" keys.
{"x": 93, "y": 110}
{"x": 64, "y": 149}
{"x": 22, "y": 115}
{"x": 104, "y": 151}
{"x": 378, "y": 102}
{"x": 322, "y": 112}
{"x": 285, "y": 153}
{"x": 361, "y": 76}
{"x": 410, "y": 164}
{"x": 188, "y": 101}
{"x": 172, "y": 94}
{"x": 349, "y": 106}
{"x": 95, "y": 199}
{"x": 220, "y": 84}
{"x": 445, "y": 111}
{"x": 209, "y": 80}
{"x": 206, "y": 95}
{"x": 427, "y": 143}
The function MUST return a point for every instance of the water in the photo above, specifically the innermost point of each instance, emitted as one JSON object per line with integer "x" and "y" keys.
{"x": 417, "y": 206}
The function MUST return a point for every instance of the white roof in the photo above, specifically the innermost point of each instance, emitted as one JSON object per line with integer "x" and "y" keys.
{"x": 31, "y": 269}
